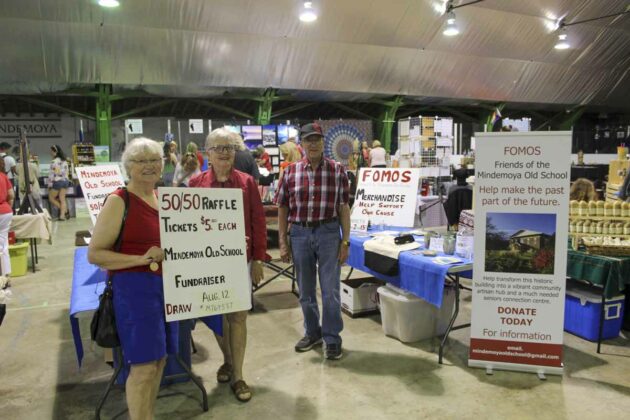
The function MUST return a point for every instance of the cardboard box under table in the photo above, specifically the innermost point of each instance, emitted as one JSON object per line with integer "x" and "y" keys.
{"x": 418, "y": 275}
{"x": 582, "y": 312}
{"x": 359, "y": 296}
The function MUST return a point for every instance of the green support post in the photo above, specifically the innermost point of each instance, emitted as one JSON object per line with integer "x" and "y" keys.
{"x": 265, "y": 105}
{"x": 104, "y": 116}
{"x": 571, "y": 118}
{"x": 387, "y": 120}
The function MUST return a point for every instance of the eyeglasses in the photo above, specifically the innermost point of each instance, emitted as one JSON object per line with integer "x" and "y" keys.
{"x": 146, "y": 162}
{"x": 222, "y": 149}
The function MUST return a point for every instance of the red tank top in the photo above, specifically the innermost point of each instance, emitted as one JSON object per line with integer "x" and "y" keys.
{"x": 141, "y": 231}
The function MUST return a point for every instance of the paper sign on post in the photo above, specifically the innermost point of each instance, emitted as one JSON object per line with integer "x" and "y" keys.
{"x": 195, "y": 126}
{"x": 97, "y": 182}
{"x": 202, "y": 232}
{"x": 133, "y": 126}
{"x": 386, "y": 196}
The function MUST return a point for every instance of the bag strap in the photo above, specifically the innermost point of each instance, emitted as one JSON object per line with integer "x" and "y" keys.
{"x": 120, "y": 232}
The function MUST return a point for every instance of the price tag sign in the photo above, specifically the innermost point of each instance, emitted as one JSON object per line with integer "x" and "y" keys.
{"x": 358, "y": 225}
{"x": 202, "y": 232}
{"x": 437, "y": 244}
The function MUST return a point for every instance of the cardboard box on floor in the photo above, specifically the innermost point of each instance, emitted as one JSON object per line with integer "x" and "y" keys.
{"x": 359, "y": 296}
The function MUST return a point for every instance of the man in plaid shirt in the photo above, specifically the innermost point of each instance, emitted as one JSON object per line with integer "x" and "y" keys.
{"x": 313, "y": 199}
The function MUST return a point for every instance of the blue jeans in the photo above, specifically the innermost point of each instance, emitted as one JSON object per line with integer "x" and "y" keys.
{"x": 317, "y": 249}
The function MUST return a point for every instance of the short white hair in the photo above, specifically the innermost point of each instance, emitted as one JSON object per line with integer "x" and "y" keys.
{"x": 140, "y": 147}
{"x": 224, "y": 134}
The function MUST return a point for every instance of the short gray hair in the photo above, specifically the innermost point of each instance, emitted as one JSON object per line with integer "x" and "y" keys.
{"x": 139, "y": 147}
{"x": 224, "y": 134}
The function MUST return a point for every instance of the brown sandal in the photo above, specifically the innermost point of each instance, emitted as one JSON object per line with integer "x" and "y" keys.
{"x": 241, "y": 391}
{"x": 224, "y": 374}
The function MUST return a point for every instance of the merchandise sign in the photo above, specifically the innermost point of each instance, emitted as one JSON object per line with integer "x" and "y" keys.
{"x": 97, "y": 182}
{"x": 387, "y": 196}
{"x": 133, "y": 126}
{"x": 521, "y": 219}
{"x": 195, "y": 126}
{"x": 202, "y": 232}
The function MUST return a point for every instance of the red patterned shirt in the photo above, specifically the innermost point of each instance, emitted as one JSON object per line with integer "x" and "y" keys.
{"x": 313, "y": 194}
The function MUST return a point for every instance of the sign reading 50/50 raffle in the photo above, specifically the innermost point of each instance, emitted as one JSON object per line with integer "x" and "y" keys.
{"x": 521, "y": 219}
{"x": 202, "y": 232}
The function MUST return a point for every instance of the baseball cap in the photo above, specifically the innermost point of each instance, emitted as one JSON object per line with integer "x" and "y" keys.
{"x": 312, "y": 129}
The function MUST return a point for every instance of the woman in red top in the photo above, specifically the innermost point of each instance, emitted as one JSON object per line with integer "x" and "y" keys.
{"x": 6, "y": 214}
{"x": 144, "y": 334}
{"x": 221, "y": 146}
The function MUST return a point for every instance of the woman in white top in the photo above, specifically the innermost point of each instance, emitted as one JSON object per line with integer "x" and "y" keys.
{"x": 377, "y": 155}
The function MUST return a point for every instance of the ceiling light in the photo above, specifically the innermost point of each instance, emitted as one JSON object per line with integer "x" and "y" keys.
{"x": 308, "y": 13}
{"x": 109, "y": 3}
{"x": 451, "y": 26}
{"x": 562, "y": 44}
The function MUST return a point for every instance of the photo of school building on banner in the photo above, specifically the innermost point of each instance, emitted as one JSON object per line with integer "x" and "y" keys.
{"x": 386, "y": 196}
{"x": 519, "y": 270}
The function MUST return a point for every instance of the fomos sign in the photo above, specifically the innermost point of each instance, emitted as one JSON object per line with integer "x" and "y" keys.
{"x": 35, "y": 128}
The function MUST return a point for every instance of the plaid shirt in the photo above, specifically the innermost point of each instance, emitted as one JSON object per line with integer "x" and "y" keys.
{"x": 313, "y": 195}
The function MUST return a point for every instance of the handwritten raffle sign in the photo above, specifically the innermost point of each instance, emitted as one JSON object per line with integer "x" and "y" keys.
{"x": 386, "y": 196}
{"x": 521, "y": 219}
{"x": 202, "y": 231}
{"x": 97, "y": 182}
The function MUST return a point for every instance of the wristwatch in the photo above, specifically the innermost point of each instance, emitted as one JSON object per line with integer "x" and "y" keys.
{"x": 346, "y": 242}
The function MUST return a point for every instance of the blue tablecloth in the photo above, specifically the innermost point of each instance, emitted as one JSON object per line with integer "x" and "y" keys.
{"x": 88, "y": 282}
{"x": 417, "y": 274}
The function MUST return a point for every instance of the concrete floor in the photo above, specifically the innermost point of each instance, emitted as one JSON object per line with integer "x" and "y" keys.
{"x": 379, "y": 377}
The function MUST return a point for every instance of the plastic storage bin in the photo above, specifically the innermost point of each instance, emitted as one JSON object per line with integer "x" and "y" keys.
{"x": 19, "y": 259}
{"x": 410, "y": 318}
{"x": 582, "y": 312}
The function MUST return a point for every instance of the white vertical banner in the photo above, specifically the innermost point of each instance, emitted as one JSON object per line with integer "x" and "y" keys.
{"x": 202, "y": 232}
{"x": 386, "y": 195}
{"x": 97, "y": 182}
{"x": 521, "y": 220}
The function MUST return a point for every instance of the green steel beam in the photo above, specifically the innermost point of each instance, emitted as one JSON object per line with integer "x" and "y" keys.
{"x": 571, "y": 119}
{"x": 52, "y": 106}
{"x": 413, "y": 112}
{"x": 265, "y": 105}
{"x": 143, "y": 109}
{"x": 104, "y": 116}
{"x": 387, "y": 121}
{"x": 488, "y": 119}
{"x": 351, "y": 110}
{"x": 291, "y": 109}
{"x": 224, "y": 108}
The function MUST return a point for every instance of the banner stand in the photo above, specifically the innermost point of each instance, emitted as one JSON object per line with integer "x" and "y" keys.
{"x": 541, "y": 371}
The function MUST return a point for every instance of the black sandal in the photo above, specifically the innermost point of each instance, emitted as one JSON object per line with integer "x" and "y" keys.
{"x": 241, "y": 391}
{"x": 224, "y": 374}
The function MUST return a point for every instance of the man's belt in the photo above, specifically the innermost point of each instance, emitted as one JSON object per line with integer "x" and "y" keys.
{"x": 315, "y": 223}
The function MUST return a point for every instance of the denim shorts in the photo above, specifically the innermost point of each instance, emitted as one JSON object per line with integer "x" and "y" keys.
{"x": 58, "y": 185}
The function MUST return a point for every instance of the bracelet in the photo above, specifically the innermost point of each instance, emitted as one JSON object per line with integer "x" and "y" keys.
{"x": 345, "y": 242}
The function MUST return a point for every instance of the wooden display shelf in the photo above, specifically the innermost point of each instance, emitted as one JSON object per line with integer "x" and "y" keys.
{"x": 603, "y": 218}
{"x": 613, "y": 235}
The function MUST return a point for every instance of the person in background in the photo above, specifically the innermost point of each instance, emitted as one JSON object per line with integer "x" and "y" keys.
{"x": 221, "y": 146}
{"x": 377, "y": 155}
{"x": 582, "y": 190}
{"x": 299, "y": 148}
{"x": 6, "y": 214}
{"x": 186, "y": 169}
{"x": 138, "y": 295}
{"x": 313, "y": 197}
{"x": 192, "y": 148}
{"x": 263, "y": 160}
{"x": 364, "y": 156}
{"x": 58, "y": 181}
{"x": 170, "y": 162}
{"x": 9, "y": 161}
{"x": 290, "y": 154}
{"x": 33, "y": 176}
{"x": 244, "y": 161}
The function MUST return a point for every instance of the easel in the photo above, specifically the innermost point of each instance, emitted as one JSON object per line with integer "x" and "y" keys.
{"x": 28, "y": 205}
